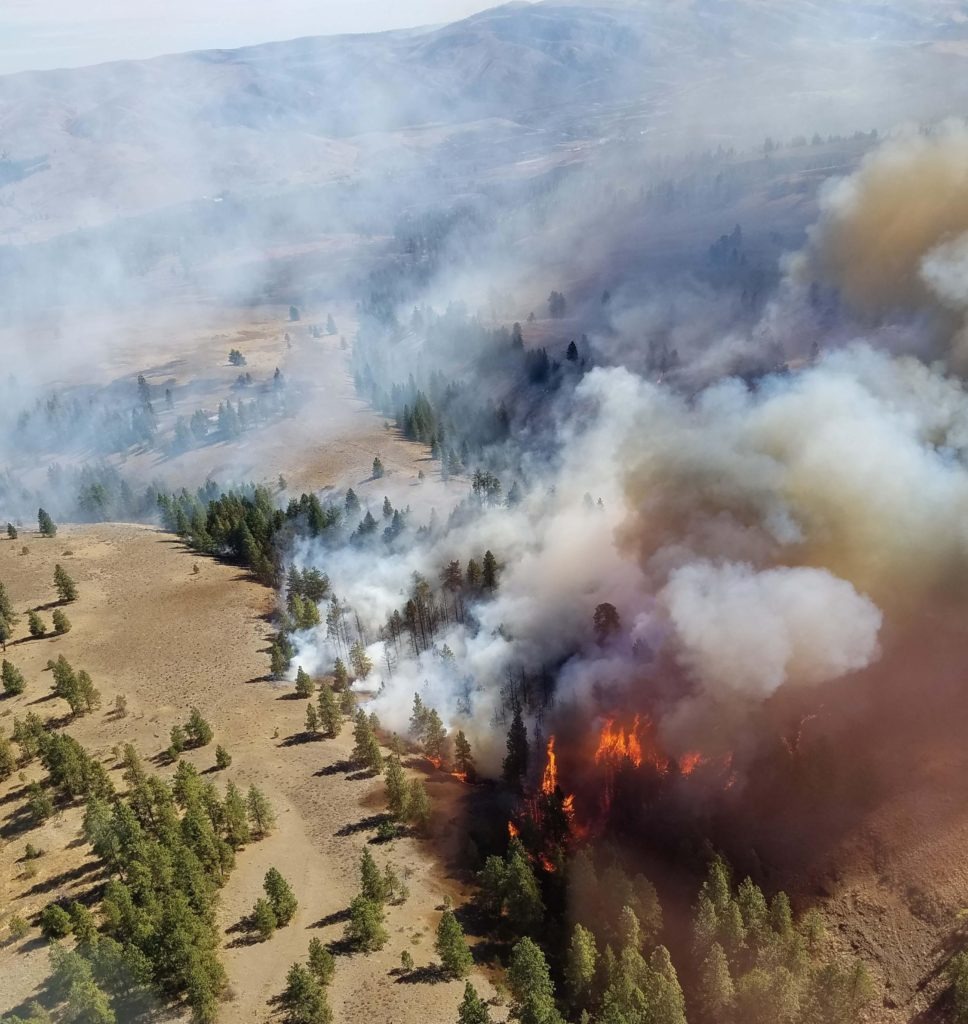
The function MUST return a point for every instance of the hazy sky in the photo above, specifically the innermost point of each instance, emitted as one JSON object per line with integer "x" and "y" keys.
{"x": 66, "y": 33}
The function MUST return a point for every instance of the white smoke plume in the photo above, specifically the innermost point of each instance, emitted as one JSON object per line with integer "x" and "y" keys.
{"x": 750, "y": 539}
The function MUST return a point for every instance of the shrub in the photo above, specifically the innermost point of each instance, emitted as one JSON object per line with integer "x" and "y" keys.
{"x": 55, "y": 922}
{"x": 18, "y": 927}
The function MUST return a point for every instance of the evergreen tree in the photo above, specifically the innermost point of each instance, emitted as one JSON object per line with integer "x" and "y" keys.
{"x": 716, "y": 991}
{"x": 522, "y": 896}
{"x": 261, "y": 815}
{"x": 12, "y": 531}
{"x": 372, "y": 884}
{"x": 45, "y": 524}
{"x": 223, "y": 759}
{"x": 516, "y": 762}
{"x": 312, "y": 720}
{"x": 236, "y": 819}
{"x": 281, "y": 897}
{"x": 463, "y": 759}
{"x": 378, "y": 469}
{"x": 8, "y": 759}
{"x": 6, "y": 606}
{"x": 489, "y": 571}
{"x": 66, "y": 587}
{"x": 35, "y": 625}
{"x": 330, "y": 718}
{"x": 451, "y": 946}
{"x": 321, "y": 962}
{"x": 418, "y": 805}
{"x": 668, "y": 1002}
{"x": 305, "y": 687}
{"x": 13, "y": 680}
{"x": 396, "y": 787}
{"x": 580, "y": 966}
{"x": 366, "y": 749}
{"x": 341, "y": 677}
{"x": 530, "y": 982}
{"x": 435, "y": 736}
{"x": 62, "y": 624}
{"x": 198, "y": 731}
{"x": 264, "y": 919}
{"x": 304, "y": 998}
{"x": 473, "y": 1009}
{"x": 366, "y": 928}
{"x": 360, "y": 660}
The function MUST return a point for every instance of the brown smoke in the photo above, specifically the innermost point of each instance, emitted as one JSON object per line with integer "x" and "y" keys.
{"x": 883, "y": 229}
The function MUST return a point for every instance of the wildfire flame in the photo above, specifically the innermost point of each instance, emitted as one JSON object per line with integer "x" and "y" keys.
{"x": 549, "y": 780}
{"x": 513, "y": 830}
{"x": 688, "y": 763}
{"x": 635, "y": 745}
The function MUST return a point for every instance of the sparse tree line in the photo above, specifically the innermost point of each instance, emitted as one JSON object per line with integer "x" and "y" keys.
{"x": 66, "y": 589}
{"x": 167, "y": 849}
{"x": 115, "y": 423}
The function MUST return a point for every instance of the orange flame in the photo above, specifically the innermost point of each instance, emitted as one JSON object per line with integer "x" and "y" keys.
{"x": 688, "y": 763}
{"x": 615, "y": 744}
{"x": 635, "y": 745}
{"x": 549, "y": 780}
{"x": 513, "y": 830}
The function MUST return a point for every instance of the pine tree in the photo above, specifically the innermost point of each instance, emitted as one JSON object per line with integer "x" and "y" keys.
{"x": 396, "y": 787}
{"x": 530, "y": 981}
{"x": 435, "y": 736}
{"x": 516, "y": 762}
{"x": 463, "y": 759}
{"x": 304, "y": 998}
{"x": 366, "y": 928}
{"x": 473, "y": 1009}
{"x": 35, "y": 625}
{"x": 716, "y": 991}
{"x": 418, "y": 805}
{"x": 372, "y": 885}
{"x": 236, "y": 821}
{"x": 13, "y": 680}
{"x": 451, "y": 946}
{"x": 378, "y": 469}
{"x": 312, "y": 720}
{"x": 580, "y": 966}
{"x": 45, "y": 524}
{"x": 260, "y": 812}
{"x": 525, "y": 907}
{"x": 305, "y": 687}
{"x": 65, "y": 585}
{"x": 8, "y": 759}
{"x": 489, "y": 571}
{"x": 62, "y": 624}
{"x": 360, "y": 660}
{"x": 330, "y": 718}
{"x": 6, "y": 606}
{"x": 340, "y": 676}
{"x": 223, "y": 759}
{"x": 321, "y": 962}
{"x": 198, "y": 731}
{"x": 366, "y": 749}
{"x": 280, "y": 895}
{"x": 12, "y": 531}
{"x": 264, "y": 919}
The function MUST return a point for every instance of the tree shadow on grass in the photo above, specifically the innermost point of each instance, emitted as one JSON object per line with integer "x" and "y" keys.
{"x": 371, "y": 821}
{"x": 337, "y": 917}
{"x": 431, "y": 974}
